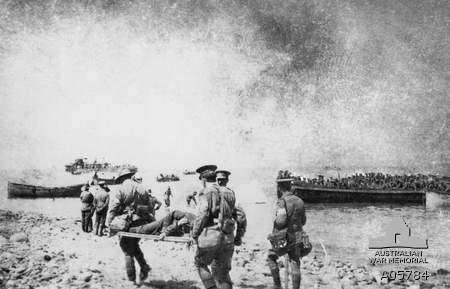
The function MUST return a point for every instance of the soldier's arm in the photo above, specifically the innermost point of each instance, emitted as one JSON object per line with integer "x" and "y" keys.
{"x": 158, "y": 203}
{"x": 205, "y": 203}
{"x": 241, "y": 220}
{"x": 115, "y": 207}
{"x": 280, "y": 215}
{"x": 303, "y": 216}
{"x": 95, "y": 202}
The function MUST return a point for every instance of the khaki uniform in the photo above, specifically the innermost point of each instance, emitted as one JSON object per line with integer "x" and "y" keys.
{"x": 87, "y": 208}
{"x": 218, "y": 257}
{"x": 101, "y": 201}
{"x": 132, "y": 198}
{"x": 290, "y": 215}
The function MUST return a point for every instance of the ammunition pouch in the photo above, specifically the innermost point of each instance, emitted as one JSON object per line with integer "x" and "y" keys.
{"x": 305, "y": 245}
{"x": 213, "y": 237}
{"x": 278, "y": 240}
{"x": 228, "y": 226}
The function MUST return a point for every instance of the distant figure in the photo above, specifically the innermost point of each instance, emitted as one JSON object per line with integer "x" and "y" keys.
{"x": 87, "y": 207}
{"x": 191, "y": 198}
{"x": 94, "y": 180}
{"x": 167, "y": 196}
{"x": 101, "y": 202}
{"x": 155, "y": 204}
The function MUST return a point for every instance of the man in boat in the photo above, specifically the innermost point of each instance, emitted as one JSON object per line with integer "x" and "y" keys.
{"x": 289, "y": 221}
{"x": 176, "y": 223}
{"x": 191, "y": 198}
{"x": 213, "y": 231}
{"x": 87, "y": 206}
{"x": 132, "y": 199}
{"x": 101, "y": 201}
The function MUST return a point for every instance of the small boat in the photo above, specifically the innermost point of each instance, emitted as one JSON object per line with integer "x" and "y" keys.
{"x": 167, "y": 179}
{"x": 186, "y": 172}
{"x": 108, "y": 177}
{"x": 17, "y": 190}
{"x": 332, "y": 195}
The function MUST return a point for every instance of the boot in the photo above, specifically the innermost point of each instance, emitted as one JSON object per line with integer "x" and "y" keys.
{"x": 276, "y": 278}
{"x": 206, "y": 277}
{"x": 144, "y": 273}
{"x": 296, "y": 279}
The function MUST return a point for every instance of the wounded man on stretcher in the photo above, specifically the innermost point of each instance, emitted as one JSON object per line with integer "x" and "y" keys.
{"x": 176, "y": 223}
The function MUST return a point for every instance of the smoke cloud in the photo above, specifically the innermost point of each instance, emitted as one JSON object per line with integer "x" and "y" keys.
{"x": 242, "y": 84}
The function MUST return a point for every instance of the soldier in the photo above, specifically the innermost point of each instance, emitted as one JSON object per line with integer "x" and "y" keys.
{"x": 155, "y": 204}
{"x": 167, "y": 196}
{"x": 290, "y": 218}
{"x": 87, "y": 200}
{"x": 191, "y": 198}
{"x": 101, "y": 201}
{"x": 132, "y": 199}
{"x": 176, "y": 223}
{"x": 222, "y": 177}
{"x": 213, "y": 232}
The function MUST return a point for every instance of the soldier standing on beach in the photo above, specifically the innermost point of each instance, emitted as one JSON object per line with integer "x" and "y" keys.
{"x": 191, "y": 198}
{"x": 222, "y": 177}
{"x": 155, "y": 204}
{"x": 132, "y": 199}
{"x": 289, "y": 221}
{"x": 213, "y": 231}
{"x": 101, "y": 202}
{"x": 167, "y": 196}
{"x": 87, "y": 207}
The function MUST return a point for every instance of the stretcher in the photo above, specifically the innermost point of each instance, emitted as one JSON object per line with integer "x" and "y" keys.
{"x": 155, "y": 237}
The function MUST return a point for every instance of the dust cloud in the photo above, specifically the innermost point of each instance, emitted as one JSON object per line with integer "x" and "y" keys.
{"x": 242, "y": 84}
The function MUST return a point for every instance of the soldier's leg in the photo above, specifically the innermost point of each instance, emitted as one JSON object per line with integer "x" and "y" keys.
{"x": 152, "y": 228}
{"x": 203, "y": 258}
{"x": 272, "y": 258}
{"x": 89, "y": 222}
{"x": 83, "y": 221}
{"x": 97, "y": 222}
{"x": 127, "y": 246}
{"x": 294, "y": 260}
{"x": 145, "y": 268}
{"x": 221, "y": 267}
{"x": 102, "y": 221}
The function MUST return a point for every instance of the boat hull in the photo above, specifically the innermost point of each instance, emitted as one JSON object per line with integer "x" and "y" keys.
{"x": 326, "y": 195}
{"x": 17, "y": 190}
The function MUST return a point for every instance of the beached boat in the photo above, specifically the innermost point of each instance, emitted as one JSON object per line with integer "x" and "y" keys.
{"x": 17, "y": 190}
{"x": 330, "y": 195}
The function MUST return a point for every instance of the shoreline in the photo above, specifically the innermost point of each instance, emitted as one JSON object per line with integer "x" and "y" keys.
{"x": 37, "y": 251}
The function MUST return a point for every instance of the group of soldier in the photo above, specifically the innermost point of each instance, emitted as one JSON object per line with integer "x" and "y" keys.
{"x": 218, "y": 226}
{"x": 94, "y": 200}
{"x": 379, "y": 181}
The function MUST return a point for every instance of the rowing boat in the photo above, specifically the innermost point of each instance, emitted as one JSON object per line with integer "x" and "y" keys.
{"x": 18, "y": 190}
